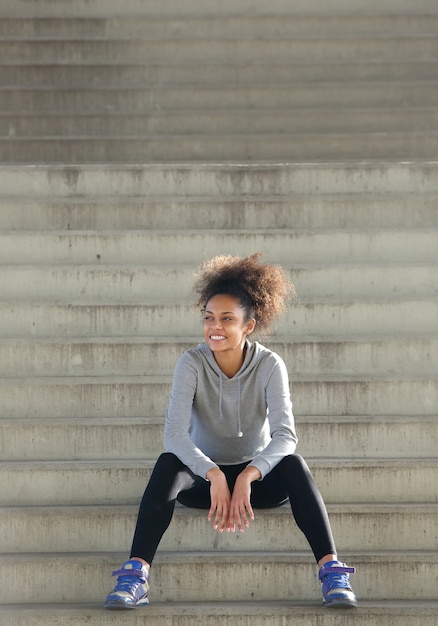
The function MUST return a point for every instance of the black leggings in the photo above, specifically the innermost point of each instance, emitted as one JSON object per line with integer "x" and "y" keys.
{"x": 290, "y": 479}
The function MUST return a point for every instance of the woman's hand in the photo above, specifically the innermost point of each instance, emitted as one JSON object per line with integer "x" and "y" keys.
{"x": 241, "y": 508}
{"x": 220, "y": 499}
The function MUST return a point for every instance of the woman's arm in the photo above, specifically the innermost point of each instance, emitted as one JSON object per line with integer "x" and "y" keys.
{"x": 281, "y": 421}
{"x": 176, "y": 429}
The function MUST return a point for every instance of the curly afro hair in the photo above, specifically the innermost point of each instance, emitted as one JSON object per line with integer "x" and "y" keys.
{"x": 262, "y": 289}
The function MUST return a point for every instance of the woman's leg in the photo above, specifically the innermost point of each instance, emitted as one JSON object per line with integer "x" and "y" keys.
{"x": 169, "y": 477}
{"x": 292, "y": 478}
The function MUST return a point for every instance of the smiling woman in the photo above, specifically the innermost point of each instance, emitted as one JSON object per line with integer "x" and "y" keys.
{"x": 229, "y": 434}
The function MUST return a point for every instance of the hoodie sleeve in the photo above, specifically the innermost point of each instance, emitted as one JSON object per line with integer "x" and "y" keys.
{"x": 281, "y": 421}
{"x": 178, "y": 417}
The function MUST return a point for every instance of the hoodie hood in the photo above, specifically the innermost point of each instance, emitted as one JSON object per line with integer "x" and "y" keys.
{"x": 253, "y": 353}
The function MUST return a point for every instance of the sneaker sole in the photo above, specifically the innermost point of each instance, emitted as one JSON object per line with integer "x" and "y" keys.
{"x": 123, "y": 606}
{"x": 341, "y": 604}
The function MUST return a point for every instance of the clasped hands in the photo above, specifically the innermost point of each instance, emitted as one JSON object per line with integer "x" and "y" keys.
{"x": 230, "y": 510}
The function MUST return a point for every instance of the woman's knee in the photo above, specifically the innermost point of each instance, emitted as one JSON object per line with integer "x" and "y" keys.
{"x": 169, "y": 461}
{"x": 167, "y": 465}
{"x": 168, "y": 477}
{"x": 295, "y": 467}
{"x": 294, "y": 462}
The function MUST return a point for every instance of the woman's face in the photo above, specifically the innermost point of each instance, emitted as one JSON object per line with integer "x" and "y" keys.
{"x": 225, "y": 324}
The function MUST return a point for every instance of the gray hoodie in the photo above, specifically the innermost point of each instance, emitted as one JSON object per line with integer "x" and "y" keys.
{"x": 214, "y": 420}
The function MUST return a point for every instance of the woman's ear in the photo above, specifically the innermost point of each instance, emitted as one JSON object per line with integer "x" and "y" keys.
{"x": 250, "y": 326}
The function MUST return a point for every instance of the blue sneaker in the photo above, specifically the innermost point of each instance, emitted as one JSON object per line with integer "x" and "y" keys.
{"x": 336, "y": 590}
{"x": 132, "y": 587}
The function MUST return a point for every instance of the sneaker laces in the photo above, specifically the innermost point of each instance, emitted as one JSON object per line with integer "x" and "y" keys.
{"x": 336, "y": 576}
{"x": 129, "y": 584}
{"x": 128, "y": 580}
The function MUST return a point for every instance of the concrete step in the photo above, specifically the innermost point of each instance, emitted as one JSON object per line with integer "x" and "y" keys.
{"x": 165, "y": 249}
{"x": 311, "y": 318}
{"x": 142, "y": 100}
{"x": 140, "y": 396}
{"x": 186, "y": 149}
{"x": 385, "y": 613}
{"x": 248, "y": 49}
{"x": 219, "y": 27}
{"x": 47, "y": 125}
{"x": 316, "y": 211}
{"x": 200, "y": 72}
{"x": 93, "y": 8}
{"x": 414, "y": 356}
{"x": 235, "y": 576}
{"x": 88, "y": 284}
{"x": 131, "y": 438}
{"x": 109, "y": 528}
{"x": 406, "y": 246}
{"x": 35, "y": 483}
{"x": 215, "y": 180}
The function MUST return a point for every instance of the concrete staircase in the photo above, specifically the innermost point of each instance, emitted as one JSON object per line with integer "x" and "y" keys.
{"x": 96, "y": 265}
{"x": 241, "y": 80}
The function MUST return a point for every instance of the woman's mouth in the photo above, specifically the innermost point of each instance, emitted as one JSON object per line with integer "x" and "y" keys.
{"x": 217, "y": 337}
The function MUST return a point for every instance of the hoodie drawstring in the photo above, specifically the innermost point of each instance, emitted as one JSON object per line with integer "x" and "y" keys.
{"x": 240, "y": 433}
{"x": 221, "y": 384}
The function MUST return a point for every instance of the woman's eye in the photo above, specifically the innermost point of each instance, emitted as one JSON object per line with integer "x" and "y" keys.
{"x": 211, "y": 319}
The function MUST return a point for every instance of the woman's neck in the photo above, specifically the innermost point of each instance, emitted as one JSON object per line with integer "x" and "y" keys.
{"x": 231, "y": 362}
